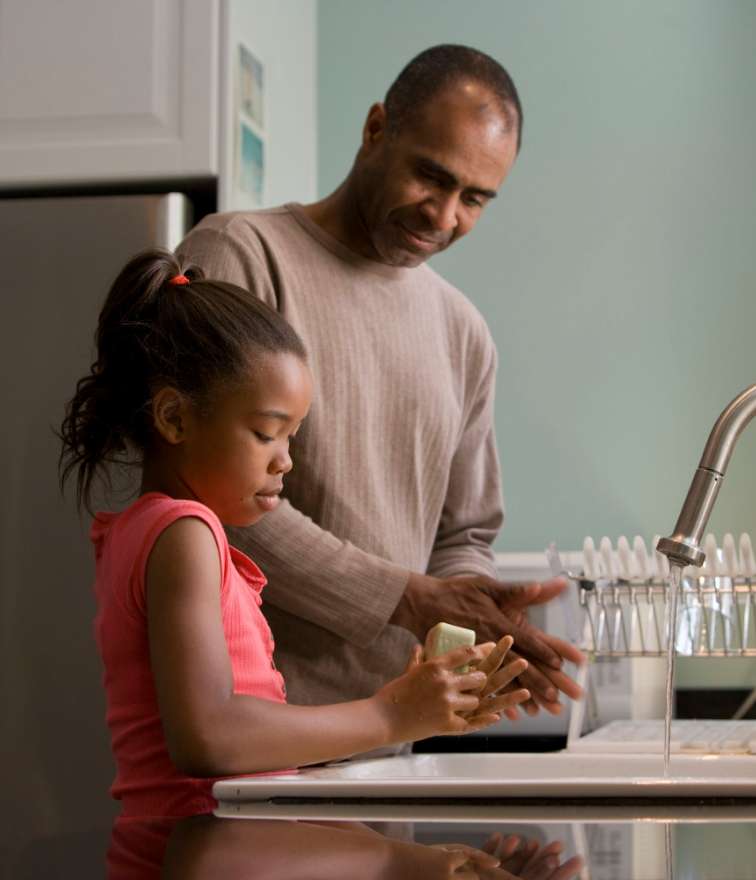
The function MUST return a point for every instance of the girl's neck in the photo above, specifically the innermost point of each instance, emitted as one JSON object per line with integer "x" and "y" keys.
{"x": 157, "y": 477}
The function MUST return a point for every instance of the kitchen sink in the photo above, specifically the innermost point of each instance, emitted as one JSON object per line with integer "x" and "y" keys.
{"x": 506, "y": 775}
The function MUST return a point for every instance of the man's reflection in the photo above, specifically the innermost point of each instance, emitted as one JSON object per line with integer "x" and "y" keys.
{"x": 204, "y": 847}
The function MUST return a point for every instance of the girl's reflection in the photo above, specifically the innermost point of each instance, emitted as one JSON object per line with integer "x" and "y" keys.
{"x": 204, "y": 847}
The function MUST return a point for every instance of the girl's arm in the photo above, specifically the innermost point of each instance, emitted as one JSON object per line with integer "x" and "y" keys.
{"x": 211, "y": 731}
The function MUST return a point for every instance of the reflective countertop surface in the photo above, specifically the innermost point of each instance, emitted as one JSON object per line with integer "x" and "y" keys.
{"x": 385, "y": 841}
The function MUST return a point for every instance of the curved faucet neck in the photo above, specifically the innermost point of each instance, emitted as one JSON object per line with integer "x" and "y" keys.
{"x": 684, "y": 546}
{"x": 727, "y": 429}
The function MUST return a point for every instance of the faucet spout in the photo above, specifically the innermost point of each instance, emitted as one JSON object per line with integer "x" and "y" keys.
{"x": 683, "y": 547}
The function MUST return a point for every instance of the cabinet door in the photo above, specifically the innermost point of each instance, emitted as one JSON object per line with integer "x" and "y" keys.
{"x": 102, "y": 90}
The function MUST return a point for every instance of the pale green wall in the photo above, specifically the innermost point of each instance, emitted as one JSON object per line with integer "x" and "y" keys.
{"x": 617, "y": 270}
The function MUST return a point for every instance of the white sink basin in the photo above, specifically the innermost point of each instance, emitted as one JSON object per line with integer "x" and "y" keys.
{"x": 508, "y": 775}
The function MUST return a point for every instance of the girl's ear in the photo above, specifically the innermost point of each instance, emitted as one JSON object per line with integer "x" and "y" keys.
{"x": 169, "y": 415}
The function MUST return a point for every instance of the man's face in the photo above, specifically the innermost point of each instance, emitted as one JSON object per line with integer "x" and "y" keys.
{"x": 424, "y": 187}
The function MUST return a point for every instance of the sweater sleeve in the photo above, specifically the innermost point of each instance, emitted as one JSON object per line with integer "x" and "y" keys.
{"x": 316, "y": 576}
{"x": 311, "y": 573}
{"x": 473, "y": 509}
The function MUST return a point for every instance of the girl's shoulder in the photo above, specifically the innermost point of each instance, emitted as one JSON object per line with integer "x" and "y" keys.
{"x": 148, "y": 516}
{"x": 123, "y": 541}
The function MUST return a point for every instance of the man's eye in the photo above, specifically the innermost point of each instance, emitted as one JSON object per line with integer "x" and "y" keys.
{"x": 431, "y": 176}
{"x": 473, "y": 202}
{"x": 263, "y": 438}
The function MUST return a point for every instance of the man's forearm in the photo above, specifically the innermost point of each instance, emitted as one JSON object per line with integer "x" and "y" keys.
{"x": 317, "y": 577}
{"x": 461, "y": 561}
{"x": 415, "y": 607}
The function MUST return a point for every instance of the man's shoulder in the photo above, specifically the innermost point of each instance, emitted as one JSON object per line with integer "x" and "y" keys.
{"x": 235, "y": 245}
{"x": 239, "y": 224}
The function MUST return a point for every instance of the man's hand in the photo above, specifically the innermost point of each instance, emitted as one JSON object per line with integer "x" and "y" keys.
{"x": 494, "y": 608}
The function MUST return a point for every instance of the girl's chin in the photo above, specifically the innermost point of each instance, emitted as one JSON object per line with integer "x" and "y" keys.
{"x": 240, "y": 519}
{"x": 250, "y": 520}
{"x": 248, "y": 511}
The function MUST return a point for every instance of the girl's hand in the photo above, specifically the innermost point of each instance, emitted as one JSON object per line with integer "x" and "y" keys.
{"x": 431, "y": 698}
{"x": 501, "y": 693}
{"x": 529, "y": 860}
{"x": 543, "y": 682}
{"x": 471, "y": 860}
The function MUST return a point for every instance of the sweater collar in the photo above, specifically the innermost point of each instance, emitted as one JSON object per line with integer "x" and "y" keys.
{"x": 341, "y": 250}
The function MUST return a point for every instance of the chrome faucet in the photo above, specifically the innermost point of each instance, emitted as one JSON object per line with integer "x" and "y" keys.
{"x": 683, "y": 547}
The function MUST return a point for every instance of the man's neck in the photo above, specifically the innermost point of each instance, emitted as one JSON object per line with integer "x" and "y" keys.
{"x": 339, "y": 216}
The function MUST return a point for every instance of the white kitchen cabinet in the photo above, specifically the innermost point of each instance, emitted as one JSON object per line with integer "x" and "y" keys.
{"x": 99, "y": 91}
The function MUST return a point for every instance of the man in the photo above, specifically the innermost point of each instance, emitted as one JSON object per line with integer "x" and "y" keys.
{"x": 394, "y": 500}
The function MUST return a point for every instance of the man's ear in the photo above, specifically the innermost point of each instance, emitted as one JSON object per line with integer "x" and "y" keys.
{"x": 170, "y": 409}
{"x": 374, "y": 129}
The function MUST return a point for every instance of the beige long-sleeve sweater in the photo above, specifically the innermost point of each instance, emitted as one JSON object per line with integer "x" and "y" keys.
{"x": 395, "y": 468}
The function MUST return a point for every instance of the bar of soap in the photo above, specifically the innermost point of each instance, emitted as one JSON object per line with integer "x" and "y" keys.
{"x": 444, "y": 637}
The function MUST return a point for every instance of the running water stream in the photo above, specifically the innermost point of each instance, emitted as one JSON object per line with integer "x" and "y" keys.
{"x": 675, "y": 579}
{"x": 669, "y": 853}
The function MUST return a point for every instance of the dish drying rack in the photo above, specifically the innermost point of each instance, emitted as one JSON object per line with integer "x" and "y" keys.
{"x": 623, "y": 608}
{"x": 623, "y": 600}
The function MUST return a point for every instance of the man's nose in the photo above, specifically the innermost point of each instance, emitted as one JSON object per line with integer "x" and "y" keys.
{"x": 441, "y": 210}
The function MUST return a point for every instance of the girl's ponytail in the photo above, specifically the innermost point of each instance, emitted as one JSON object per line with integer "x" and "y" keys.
{"x": 108, "y": 414}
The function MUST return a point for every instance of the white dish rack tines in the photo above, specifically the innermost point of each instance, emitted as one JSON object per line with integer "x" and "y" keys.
{"x": 624, "y": 600}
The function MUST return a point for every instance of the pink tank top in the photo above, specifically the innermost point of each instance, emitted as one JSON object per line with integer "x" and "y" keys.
{"x": 146, "y": 781}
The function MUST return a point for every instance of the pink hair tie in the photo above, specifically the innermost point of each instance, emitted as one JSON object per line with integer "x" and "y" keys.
{"x": 179, "y": 279}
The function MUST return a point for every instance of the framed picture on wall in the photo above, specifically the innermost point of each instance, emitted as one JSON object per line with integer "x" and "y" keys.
{"x": 249, "y": 176}
{"x": 251, "y": 163}
{"x": 251, "y": 82}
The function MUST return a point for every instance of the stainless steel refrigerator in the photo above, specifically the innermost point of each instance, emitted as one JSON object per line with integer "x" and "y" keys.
{"x": 58, "y": 257}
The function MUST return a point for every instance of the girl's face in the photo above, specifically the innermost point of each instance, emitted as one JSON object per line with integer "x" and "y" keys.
{"x": 234, "y": 457}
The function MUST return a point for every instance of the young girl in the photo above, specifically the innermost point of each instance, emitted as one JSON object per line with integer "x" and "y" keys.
{"x": 204, "y": 386}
